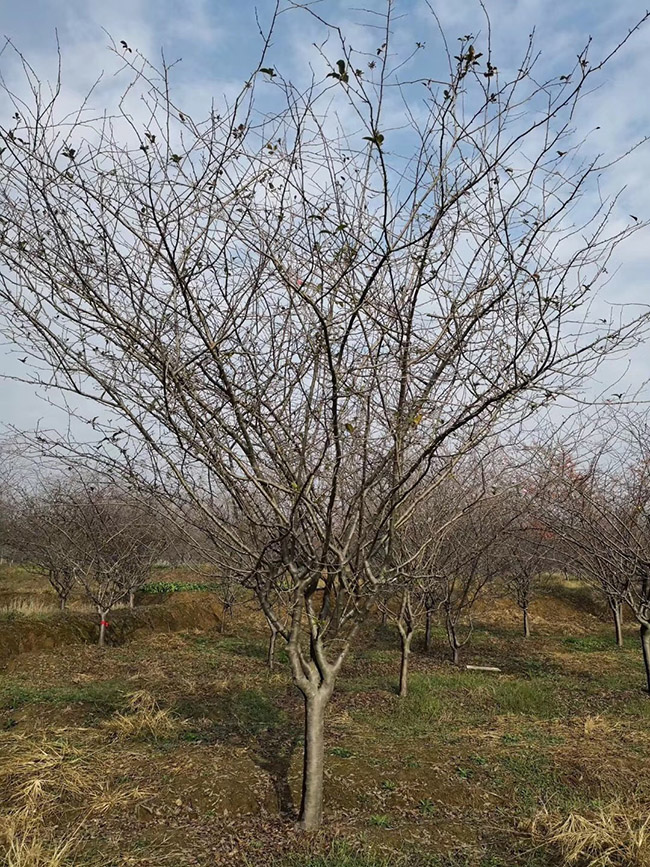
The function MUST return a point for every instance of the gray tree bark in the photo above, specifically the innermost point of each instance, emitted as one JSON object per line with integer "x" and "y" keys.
{"x": 526, "y": 623}
{"x": 270, "y": 659}
{"x": 102, "y": 627}
{"x": 617, "y": 613}
{"x": 645, "y": 646}
{"x": 311, "y": 805}
{"x": 453, "y": 640}
{"x": 427, "y": 631}
{"x": 404, "y": 663}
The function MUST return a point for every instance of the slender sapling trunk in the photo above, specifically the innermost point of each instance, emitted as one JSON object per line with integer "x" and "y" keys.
{"x": 271, "y": 652}
{"x": 645, "y": 646}
{"x": 103, "y": 623}
{"x": 405, "y": 637}
{"x": 617, "y": 613}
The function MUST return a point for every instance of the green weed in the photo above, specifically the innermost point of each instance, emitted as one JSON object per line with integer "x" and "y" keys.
{"x": 380, "y": 821}
{"x": 106, "y": 694}
{"x": 341, "y": 752}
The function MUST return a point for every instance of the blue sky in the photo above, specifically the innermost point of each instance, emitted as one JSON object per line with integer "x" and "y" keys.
{"x": 218, "y": 44}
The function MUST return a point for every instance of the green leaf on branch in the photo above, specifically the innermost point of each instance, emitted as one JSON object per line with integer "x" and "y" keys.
{"x": 376, "y": 139}
{"x": 342, "y": 74}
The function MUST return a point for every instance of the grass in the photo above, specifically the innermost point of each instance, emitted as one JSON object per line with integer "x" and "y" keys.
{"x": 40, "y": 779}
{"x": 533, "y": 778}
{"x": 590, "y": 643}
{"x": 462, "y": 697}
{"x": 25, "y": 843}
{"x": 174, "y": 586}
{"x": 344, "y": 855}
{"x": 249, "y": 712}
{"x": 18, "y": 608}
{"x": 614, "y": 835}
{"x": 107, "y": 694}
{"x": 339, "y": 855}
{"x": 144, "y": 719}
{"x": 194, "y": 736}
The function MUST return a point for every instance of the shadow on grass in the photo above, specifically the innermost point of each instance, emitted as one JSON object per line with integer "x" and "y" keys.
{"x": 274, "y": 753}
{"x": 254, "y": 719}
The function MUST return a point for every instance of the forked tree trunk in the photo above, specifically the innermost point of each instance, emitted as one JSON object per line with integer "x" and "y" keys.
{"x": 270, "y": 659}
{"x": 311, "y": 806}
{"x": 645, "y": 646}
{"x": 526, "y": 623}
{"x": 617, "y": 613}
{"x": 103, "y": 614}
{"x": 405, "y": 638}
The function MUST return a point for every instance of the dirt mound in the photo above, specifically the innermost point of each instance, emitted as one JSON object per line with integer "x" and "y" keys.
{"x": 182, "y": 611}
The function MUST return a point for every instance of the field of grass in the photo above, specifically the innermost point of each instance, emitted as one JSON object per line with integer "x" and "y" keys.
{"x": 182, "y": 749}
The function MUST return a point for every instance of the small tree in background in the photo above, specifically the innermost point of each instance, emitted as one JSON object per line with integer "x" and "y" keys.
{"x": 40, "y": 535}
{"x": 527, "y": 548}
{"x": 81, "y": 531}
{"x": 601, "y": 510}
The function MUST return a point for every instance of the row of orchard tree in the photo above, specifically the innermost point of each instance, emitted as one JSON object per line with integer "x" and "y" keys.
{"x": 84, "y": 535}
{"x": 304, "y": 316}
{"x": 492, "y": 524}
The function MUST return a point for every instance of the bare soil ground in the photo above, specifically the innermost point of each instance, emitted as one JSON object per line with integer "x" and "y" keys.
{"x": 178, "y": 747}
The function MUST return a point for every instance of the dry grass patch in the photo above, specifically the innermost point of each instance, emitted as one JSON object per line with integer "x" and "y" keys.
{"x": 42, "y": 779}
{"x": 614, "y": 835}
{"x": 144, "y": 719}
{"x": 29, "y": 608}
{"x": 25, "y": 842}
{"x": 49, "y": 769}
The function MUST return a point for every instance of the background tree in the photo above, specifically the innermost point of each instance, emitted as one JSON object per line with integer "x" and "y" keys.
{"x": 528, "y": 549}
{"x": 601, "y": 509}
{"x": 40, "y": 520}
{"x": 295, "y": 323}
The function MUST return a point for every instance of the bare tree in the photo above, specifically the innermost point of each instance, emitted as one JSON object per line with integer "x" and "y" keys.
{"x": 601, "y": 509}
{"x": 39, "y": 523}
{"x": 81, "y": 531}
{"x": 469, "y": 558}
{"x": 527, "y": 551}
{"x": 295, "y": 323}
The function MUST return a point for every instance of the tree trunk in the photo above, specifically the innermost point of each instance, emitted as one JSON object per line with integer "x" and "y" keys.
{"x": 131, "y": 599}
{"x": 311, "y": 806}
{"x": 62, "y": 601}
{"x": 453, "y": 641}
{"x": 645, "y": 645}
{"x": 404, "y": 664}
{"x": 526, "y": 623}
{"x": 102, "y": 627}
{"x": 427, "y": 631}
{"x": 271, "y": 654}
{"x": 383, "y": 617}
{"x": 617, "y": 612}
